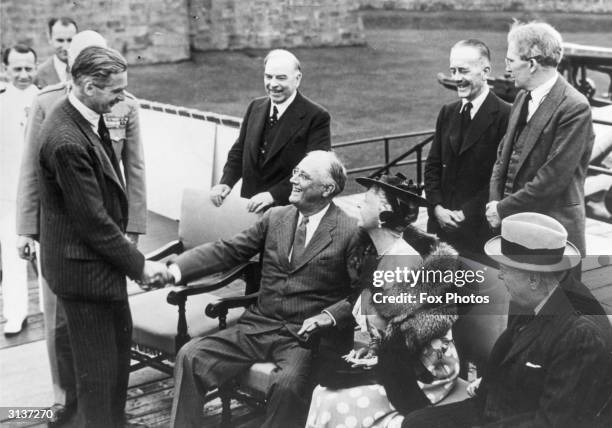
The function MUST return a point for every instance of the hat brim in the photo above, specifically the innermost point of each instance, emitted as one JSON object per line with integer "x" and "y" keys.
{"x": 403, "y": 194}
{"x": 571, "y": 257}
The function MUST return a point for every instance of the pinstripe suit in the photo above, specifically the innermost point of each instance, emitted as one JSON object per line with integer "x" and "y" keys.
{"x": 86, "y": 257}
{"x": 289, "y": 294}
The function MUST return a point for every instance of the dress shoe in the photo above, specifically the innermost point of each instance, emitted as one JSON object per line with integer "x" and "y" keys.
{"x": 14, "y": 326}
{"x": 61, "y": 415}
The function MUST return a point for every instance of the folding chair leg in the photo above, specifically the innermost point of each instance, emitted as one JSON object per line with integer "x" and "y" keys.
{"x": 225, "y": 393}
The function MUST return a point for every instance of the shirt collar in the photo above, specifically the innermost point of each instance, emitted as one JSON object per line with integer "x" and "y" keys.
{"x": 282, "y": 106}
{"x": 91, "y": 116}
{"x": 313, "y": 222}
{"x": 539, "y": 93}
{"x": 476, "y": 102}
{"x": 60, "y": 68}
{"x": 538, "y": 308}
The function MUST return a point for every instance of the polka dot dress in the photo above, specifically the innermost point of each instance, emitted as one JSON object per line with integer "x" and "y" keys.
{"x": 367, "y": 406}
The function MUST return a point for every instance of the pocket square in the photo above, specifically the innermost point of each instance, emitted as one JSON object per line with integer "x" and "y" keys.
{"x": 533, "y": 366}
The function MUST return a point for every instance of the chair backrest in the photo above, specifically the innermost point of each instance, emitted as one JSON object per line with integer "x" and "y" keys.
{"x": 202, "y": 222}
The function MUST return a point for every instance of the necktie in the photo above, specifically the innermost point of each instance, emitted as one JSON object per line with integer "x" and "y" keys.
{"x": 466, "y": 119}
{"x": 107, "y": 144}
{"x": 522, "y": 121}
{"x": 274, "y": 117}
{"x": 299, "y": 240}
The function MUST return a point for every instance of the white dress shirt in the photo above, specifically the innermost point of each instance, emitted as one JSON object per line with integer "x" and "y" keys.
{"x": 476, "y": 102}
{"x": 282, "y": 107}
{"x": 60, "y": 68}
{"x": 538, "y": 95}
{"x": 91, "y": 116}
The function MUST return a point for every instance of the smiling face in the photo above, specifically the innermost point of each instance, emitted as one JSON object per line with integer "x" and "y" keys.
{"x": 21, "y": 69}
{"x": 60, "y": 38}
{"x": 469, "y": 70}
{"x": 281, "y": 77}
{"x": 370, "y": 208}
{"x": 311, "y": 188}
{"x": 102, "y": 98}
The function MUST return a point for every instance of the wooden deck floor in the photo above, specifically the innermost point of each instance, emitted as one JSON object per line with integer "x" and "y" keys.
{"x": 24, "y": 371}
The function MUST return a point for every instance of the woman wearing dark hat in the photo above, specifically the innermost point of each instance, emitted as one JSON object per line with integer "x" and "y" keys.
{"x": 411, "y": 349}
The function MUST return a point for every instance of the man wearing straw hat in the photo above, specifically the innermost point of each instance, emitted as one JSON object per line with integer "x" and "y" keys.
{"x": 552, "y": 366}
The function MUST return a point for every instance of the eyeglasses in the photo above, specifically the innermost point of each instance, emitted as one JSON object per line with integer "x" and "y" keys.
{"x": 511, "y": 61}
{"x": 301, "y": 175}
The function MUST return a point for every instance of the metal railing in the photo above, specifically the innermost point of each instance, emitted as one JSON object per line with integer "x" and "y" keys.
{"x": 397, "y": 161}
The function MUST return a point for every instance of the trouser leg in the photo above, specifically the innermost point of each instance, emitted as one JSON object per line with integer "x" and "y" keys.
{"x": 98, "y": 333}
{"x": 14, "y": 268}
{"x": 49, "y": 302}
{"x": 205, "y": 363}
{"x": 291, "y": 386}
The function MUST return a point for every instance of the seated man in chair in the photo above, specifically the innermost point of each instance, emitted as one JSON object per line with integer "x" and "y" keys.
{"x": 552, "y": 366}
{"x": 306, "y": 283}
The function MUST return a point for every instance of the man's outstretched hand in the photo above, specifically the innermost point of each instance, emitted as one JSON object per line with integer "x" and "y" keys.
{"x": 155, "y": 275}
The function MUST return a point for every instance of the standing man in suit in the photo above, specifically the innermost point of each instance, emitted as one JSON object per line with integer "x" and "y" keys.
{"x": 124, "y": 130}
{"x": 552, "y": 366}
{"x": 461, "y": 157}
{"x": 542, "y": 160}
{"x": 19, "y": 62}
{"x": 85, "y": 254}
{"x": 55, "y": 69}
{"x": 276, "y": 132}
{"x": 306, "y": 283}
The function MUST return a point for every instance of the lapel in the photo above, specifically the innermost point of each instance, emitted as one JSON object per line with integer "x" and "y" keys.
{"x": 483, "y": 118}
{"x": 288, "y": 126}
{"x": 454, "y": 136}
{"x": 257, "y": 120}
{"x": 94, "y": 140}
{"x": 284, "y": 235}
{"x": 556, "y": 306}
{"x": 541, "y": 117}
{"x": 321, "y": 238}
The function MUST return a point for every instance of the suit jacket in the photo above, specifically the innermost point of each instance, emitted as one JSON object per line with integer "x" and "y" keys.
{"x": 123, "y": 126}
{"x": 457, "y": 175}
{"x": 303, "y": 127}
{"x": 46, "y": 74}
{"x": 290, "y": 293}
{"x": 558, "y": 140}
{"x": 556, "y": 371}
{"x": 85, "y": 255}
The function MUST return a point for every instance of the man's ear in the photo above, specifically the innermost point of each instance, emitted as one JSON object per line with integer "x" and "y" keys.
{"x": 328, "y": 190}
{"x": 88, "y": 86}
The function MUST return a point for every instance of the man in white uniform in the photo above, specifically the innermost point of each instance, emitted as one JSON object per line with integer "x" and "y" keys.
{"x": 15, "y": 100}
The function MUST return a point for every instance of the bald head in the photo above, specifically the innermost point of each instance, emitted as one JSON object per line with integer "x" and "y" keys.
{"x": 83, "y": 40}
{"x": 283, "y": 55}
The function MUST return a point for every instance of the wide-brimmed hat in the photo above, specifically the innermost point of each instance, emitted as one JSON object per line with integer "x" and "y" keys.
{"x": 397, "y": 185}
{"x": 533, "y": 242}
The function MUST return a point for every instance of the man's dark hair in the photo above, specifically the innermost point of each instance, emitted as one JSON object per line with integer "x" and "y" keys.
{"x": 99, "y": 63}
{"x": 64, "y": 20}
{"x": 479, "y": 45}
{"x": 19, "y": 47}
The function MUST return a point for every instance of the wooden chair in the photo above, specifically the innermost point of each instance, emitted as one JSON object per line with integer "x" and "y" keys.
{"x": 165, "y": 319}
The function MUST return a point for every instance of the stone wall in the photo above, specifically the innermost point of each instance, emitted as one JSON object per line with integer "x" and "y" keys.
{"x": 148, "y": 31}
{"x": 144, "y": 31}
{"x": 593, "y": 6}
{"x": 237, "y": 24}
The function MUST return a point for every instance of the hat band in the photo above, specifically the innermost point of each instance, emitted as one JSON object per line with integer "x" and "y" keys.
{"x": 537, "y": 256}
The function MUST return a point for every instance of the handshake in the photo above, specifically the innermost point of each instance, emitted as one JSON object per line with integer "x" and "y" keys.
{"x": 155, "y": 275}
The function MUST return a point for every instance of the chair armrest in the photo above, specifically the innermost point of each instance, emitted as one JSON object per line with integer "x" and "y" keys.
{"x": 221, "y": 306}
{"x": 208, "y": 283}
{"x": 173, "y": 247}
